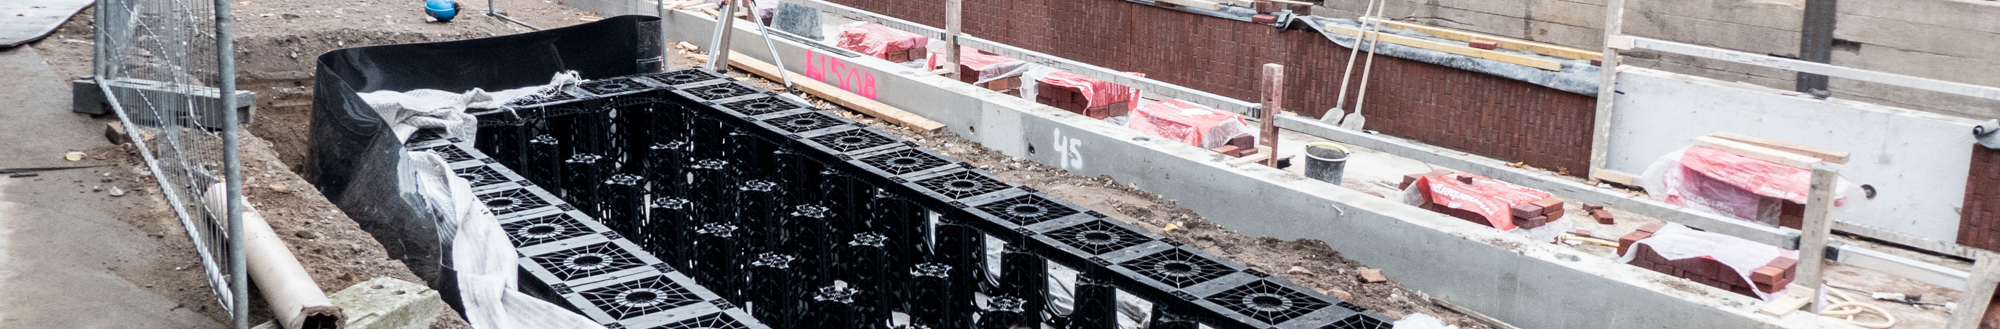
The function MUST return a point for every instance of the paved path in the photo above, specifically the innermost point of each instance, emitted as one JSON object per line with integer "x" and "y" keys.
{"x": 60, "y": 257}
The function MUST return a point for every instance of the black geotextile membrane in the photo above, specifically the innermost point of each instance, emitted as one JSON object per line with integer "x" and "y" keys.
{"x": 355, "y": 160}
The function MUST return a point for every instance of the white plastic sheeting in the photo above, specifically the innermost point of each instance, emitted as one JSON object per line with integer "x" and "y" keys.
{"x": 482, "y": 255}
{"x": 1677, "y": 242}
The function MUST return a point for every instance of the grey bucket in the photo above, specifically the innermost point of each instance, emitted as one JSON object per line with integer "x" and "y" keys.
{"x": 1326, "y": 162}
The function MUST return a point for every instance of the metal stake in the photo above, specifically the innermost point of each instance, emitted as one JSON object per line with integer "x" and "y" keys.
{"x": 718, "y": 49}
{"x": 239, "y": 279}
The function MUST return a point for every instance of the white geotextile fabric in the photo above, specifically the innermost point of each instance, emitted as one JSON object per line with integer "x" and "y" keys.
{"x": 1677, "y": 242}
{"x": 1421, "y": 321}
{"x": 482, "y": 255}
{"x": 408, "y": 111}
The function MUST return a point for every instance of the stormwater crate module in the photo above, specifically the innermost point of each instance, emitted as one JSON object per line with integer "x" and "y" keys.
{"x": 762, "y": 207}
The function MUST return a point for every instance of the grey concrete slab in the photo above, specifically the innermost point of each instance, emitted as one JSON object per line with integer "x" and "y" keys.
{"x": 61, "y": 258}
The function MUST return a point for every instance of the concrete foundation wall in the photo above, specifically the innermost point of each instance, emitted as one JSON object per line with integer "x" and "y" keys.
{"x": 1953, "y": 40}
{"x": 1916, "y": 161}
{"x": 1532, "y": 285}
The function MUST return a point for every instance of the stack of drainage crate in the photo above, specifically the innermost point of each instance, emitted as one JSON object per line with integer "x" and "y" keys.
{"x": 571, "y": 259}
{"x": 810, "y": 220}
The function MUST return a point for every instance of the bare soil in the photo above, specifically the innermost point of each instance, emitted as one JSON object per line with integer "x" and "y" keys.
{"x": 277, "y": 42}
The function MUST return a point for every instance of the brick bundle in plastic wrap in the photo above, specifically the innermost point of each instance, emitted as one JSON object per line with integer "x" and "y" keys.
{"x": 1736, "y": 186}
{"x": 1193, "y": 124}
{"x": 882, "y": 42}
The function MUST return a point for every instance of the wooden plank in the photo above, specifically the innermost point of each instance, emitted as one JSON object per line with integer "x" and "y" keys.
{"x": 1457, "y": 49}
{"x": 1796, "y": 297}
{"x": 1607, "y": 91}
{"x": 953, "y": 22}
{"x": 1829, "y": 155}
{"x": 1614, "y": 176}
{"x": 1817, "y": 228}
{"x": 1810, "y": 67}
{"x": 1757, "y": 152}
{"x": 1505, "y": 42}
{"x": 1972, "y": 302}
{"x": 1263, "y": 153}
{"x": 1273, "y": 96}
{"x": 838, "y": 96}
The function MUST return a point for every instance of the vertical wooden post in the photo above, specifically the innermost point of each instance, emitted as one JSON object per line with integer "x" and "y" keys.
{"x": 1273, "y": 91}
{"x": 1817, "y": 228}
{"x": 954, "y": 13}
{"x": 1978, "y": 294}
{"x": 1600, "y": 132}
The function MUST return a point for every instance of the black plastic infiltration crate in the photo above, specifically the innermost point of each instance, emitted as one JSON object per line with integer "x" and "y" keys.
{"x": 452, "y": 153}
{"x": 762, "y": 106}
{"x": 533, "y": 230}
{"x": 761, "y": 202}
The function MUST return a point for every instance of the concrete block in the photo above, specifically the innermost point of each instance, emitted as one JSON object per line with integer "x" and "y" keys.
{"x": 88, "y": 98}
{"x": 1509, "y": 8}
{"x": 1566, "y": 13}
{"x": 1721, "y": 34}
{"x": 1918, "y": 37}
{"x": 1589, "y": 38}
{"x": 387, "y": 303}
{"x": 1934, "y": 102}
{"x": 1782, "y": 14}
{"x": 1499, "y": 25}
{"x": 1964, "y": 14}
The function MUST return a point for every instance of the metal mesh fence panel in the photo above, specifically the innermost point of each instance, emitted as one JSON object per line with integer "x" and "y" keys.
{"x": 158, "y": 63}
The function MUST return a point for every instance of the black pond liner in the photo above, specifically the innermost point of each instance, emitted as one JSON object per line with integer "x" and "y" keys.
{"x": 714, "y": 175}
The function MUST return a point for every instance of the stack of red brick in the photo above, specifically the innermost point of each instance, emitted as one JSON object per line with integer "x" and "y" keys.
{"x": 1267, "y": 10}
{"x": 1078, "y": 94}
{"x": 1525, "y": 215}
{"x": 1538, "y": 213}
{"x": 1770, "y": 278}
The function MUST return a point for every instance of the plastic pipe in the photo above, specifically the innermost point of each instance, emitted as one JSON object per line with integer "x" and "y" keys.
{"x": 295, "y": 300}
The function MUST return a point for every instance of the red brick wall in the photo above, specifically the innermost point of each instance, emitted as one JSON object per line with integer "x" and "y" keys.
{"x": 1475, "y": 112}
{"x": 1979, "y": 220}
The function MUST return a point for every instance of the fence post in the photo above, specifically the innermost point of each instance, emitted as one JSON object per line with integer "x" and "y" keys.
{"x": 239, "y": 278}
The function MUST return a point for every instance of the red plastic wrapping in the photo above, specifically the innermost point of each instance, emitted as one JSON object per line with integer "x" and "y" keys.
{"x": 1732, "y": 185}
{"x": 1189, "y": 123}
{"x": 1757, "y": 176}
{"x": 1487, "y": 197}
{"x": 1098, "y": 92}
{"x": 972, "y": 58}
{"x": 879, "y": 41}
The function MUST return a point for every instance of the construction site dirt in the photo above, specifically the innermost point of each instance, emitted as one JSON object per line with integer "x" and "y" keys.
{"x": 278, "y": 40}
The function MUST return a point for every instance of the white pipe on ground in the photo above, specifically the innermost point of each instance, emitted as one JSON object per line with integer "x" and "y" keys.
{"x": 295, "y": 300}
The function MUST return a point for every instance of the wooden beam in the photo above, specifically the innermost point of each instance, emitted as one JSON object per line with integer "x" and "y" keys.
{"x": 838, "y": 96}
{"x": 1607, "y": 93}
{"x": 1263, "y": 153}
{"x": 1505, "y": 42}
{"x": 1267, "y": 120}
{"x": 1808, "y": 67}
{"x": 1978, "y": 294}
{"x": 1464, "y": 50}
{"x": 1796, "y": 296}
{"x": 1830, "y": 155}
{"x": 1817, "y": 229}
{"x": 1757, "y": 152}
{"x": 953, "y": 21}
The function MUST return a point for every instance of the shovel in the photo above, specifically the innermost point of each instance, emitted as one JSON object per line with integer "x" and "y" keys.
{"x": 1356, "y": 121}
